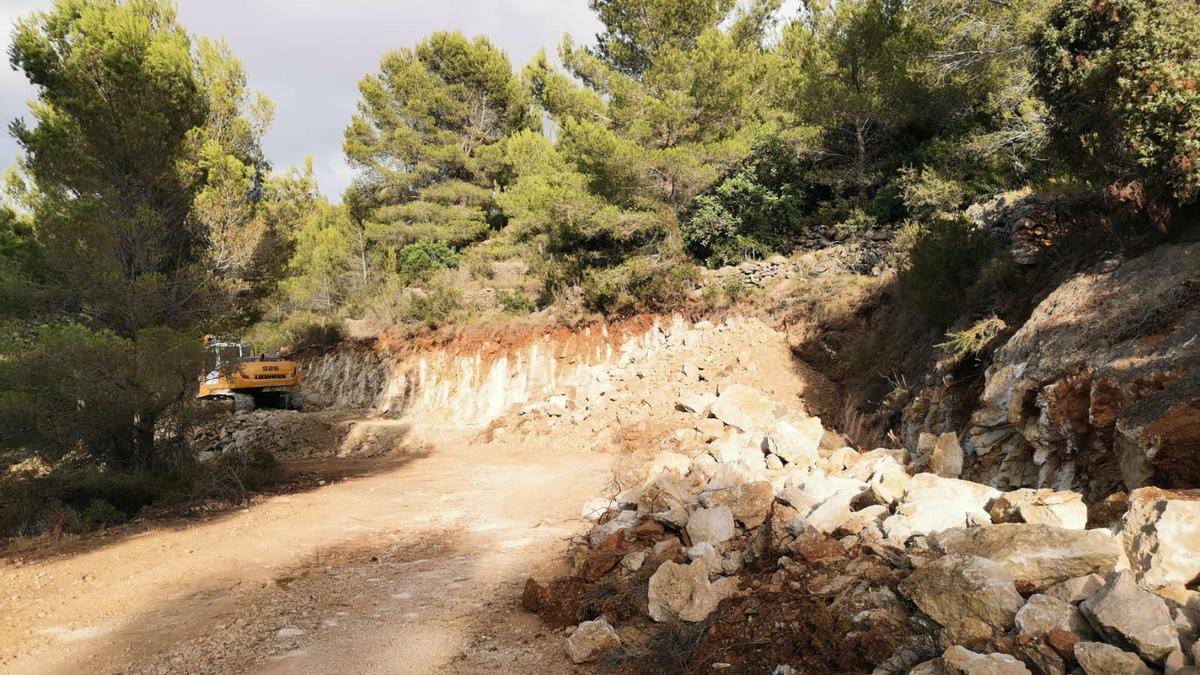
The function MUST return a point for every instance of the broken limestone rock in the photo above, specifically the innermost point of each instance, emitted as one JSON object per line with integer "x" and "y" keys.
{"x": 958, "y": 659}
{"x": 1128, "y": 616}
{"x": 1075, "y": 591}
{"x": 1098, "y": 658}
{"x": 1036, "y": 555}
{"x": 683, "y": 592}
{"x": 593, "y": 509}
{"x": 821, "y": 487}
{"x": 714, "y": 525}
{"x": 1043, "y": 613}
{"x": 932, "y": 504}
{"x": 946, "y": 457}
{"x": 708, "y": 554}
{"x": 832, "y": 512}
{"x": 591, "y": 640}
{"x": 695, "y": 403}
{"x": 958, "y": 587}
{"x": 1064, "y": 509}
{"x": 670, "y": 461}
{"x": 746, "y": 408}
{"x": 888, "y": 482}
{"x": 797, "y": 442}
{"x": 634, "y": 559}
{"x": 749, "y": 502}
{"x": 1161, "y": 534}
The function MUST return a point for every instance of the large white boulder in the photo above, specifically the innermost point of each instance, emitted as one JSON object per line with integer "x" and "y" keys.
{"x": 932, "y": 503}
{"x": 1061, "y": 508}
{"x": 1037, "y": 556}
{"x": 1161, "y": 534}
{"x": 746, "y": 408}
{"x": 955, "y": 588}
{"x": 796, "y": 442}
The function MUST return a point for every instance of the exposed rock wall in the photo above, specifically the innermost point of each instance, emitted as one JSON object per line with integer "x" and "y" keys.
{"x": 1099, "y": 390}
{"x": 474, "y": 382}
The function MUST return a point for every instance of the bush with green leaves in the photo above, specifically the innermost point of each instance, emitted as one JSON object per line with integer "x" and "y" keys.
{"x": 754, "y": 210}
{"x": 1120, "y": 80}
{"x": 947, "y": 258}
{"x": 418, "y": 261}
{"x": 516, "y": 302}
{"x": 300, "y": 329}
{"x": 639, "y": 285}
{"x": 100, "y": 512}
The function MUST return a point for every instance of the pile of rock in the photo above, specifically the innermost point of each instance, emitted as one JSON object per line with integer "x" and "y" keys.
{"x": 283, "y": 432}
{"x": 921, "y": 571}
{"x": 869, "y": 252}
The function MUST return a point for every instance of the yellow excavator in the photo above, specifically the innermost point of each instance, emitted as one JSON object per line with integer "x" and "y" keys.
{"x": 232, "y": 372}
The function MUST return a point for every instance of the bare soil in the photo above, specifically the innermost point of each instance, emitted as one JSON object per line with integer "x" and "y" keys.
{"x": 412, "y": 563}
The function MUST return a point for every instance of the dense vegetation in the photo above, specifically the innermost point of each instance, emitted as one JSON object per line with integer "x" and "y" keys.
{"x": 144, "y": 212}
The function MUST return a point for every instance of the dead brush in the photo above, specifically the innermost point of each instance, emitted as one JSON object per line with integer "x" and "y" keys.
{"x": 669, "y": 649}
{"x": 974, "y": 340}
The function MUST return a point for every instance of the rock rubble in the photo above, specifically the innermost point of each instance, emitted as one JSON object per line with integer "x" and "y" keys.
{"x": 759, "y": 527}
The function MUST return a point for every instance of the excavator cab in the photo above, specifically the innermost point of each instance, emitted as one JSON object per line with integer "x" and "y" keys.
{"x": 232, "y": 372}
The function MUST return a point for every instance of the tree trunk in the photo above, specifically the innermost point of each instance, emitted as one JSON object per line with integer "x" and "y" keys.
{"x": 860, "y": 139}
{"x": 144, "y": 423}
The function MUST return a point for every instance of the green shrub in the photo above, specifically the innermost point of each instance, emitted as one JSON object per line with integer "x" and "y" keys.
{"x": 418, "y": 261}
{"x": 100, "y": 512}
{"x": 973, "y": 340}
{"x": 516, "y": 302}
{"x": 926, "y": 194}
{"x": 67, "y": 387}
{"x": 1120, "y": 80}
{"x": 299, "y": 330}
{"x": 752, "y": 211}
{"x": 431, "y": 308}
{"x": 639, "y": 285}
{"x": 946, "y": 259}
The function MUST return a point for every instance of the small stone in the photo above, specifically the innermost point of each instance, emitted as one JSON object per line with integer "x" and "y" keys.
{"x": 1042, "y": 613}
{"x": 1062, "y": 642}
{"x": 1076, "y": 590}
{"x": 591, "y": 640}
{"x": 958, "y": 659}
{"x": 683, "y": 592}
{"x": 946, "y": 460}
{"x": 634, "y": 560}
{"x": 714, "y": 525}
{"x": 593, "y": 509}
{"x": 1097, "y": 658}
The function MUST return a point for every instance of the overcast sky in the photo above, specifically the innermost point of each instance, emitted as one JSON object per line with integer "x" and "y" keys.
{"x": 308, "y": 56}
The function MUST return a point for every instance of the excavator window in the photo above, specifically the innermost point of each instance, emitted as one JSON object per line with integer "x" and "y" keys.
{"x": 222, "y": 355}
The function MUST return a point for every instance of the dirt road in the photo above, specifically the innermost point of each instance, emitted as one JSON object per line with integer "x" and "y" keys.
{"x": 414, "y": 568}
